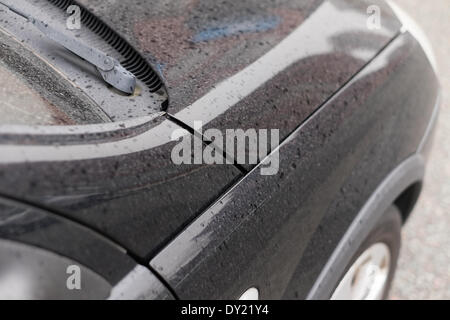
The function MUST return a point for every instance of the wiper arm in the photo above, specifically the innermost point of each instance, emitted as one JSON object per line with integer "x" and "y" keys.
{"x": 110, "y": 69}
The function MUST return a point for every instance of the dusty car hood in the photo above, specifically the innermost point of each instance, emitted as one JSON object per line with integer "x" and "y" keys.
{"x": 197, "y": 44}
{"x": 247, "y": 64}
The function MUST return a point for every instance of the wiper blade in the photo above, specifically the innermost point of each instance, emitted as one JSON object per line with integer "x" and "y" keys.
{"x": 110, "y": 69}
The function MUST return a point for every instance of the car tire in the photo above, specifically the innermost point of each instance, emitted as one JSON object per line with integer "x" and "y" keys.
{"x": 375, "y": 261}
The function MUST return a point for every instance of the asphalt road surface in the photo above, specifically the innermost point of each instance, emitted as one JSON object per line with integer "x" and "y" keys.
{"x": 424, "y": 266}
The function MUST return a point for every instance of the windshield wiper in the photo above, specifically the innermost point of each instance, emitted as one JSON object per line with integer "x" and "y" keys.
{"x": 110, "y": 69}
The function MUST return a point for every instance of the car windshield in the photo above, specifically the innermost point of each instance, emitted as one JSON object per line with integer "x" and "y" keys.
{"x": 33, "y": 93}
{"x": 20, "y": 104}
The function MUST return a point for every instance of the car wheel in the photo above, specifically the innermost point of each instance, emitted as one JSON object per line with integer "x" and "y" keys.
{"x": 370, "y": 272}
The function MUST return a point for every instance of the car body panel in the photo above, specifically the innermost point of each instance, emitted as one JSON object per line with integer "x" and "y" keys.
{"x": 50, "y": 245}
{"x": 279, "y": 241}
{"x": 251, "y": 64}
{"x": 127, "y": 189}
{"x": 39, "y": 228}
{"x": 197, "y": 44}
{"x": 345, "y": 98}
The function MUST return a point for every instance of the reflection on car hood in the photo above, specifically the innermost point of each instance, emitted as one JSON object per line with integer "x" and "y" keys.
{"x": 196, "y": 44}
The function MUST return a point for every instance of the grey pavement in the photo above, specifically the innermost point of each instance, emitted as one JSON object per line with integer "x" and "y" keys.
{"x": 424, "y": 266}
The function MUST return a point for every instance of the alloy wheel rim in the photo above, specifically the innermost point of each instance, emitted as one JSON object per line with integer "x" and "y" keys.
{"x": 366, "y": 279}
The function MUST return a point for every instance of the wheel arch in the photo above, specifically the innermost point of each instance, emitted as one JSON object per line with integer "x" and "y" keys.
{"x": 401, "y": 187}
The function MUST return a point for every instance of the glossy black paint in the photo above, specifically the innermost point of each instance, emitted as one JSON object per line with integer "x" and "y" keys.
{"x": 275, "y": 232}
{"x": 408, "y": 174}
{"x": 250, "y": 64}
{"x": 128, "y": 190}
{"x": 124, "y": 184}
{"x": 279, "y": 240}
{"x": 195, "y": 45}
{"x": 140, "y": 284}
{"x": 36, "y": 227}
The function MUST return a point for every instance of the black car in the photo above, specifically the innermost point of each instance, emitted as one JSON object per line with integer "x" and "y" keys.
{"x": 198, "y": 149}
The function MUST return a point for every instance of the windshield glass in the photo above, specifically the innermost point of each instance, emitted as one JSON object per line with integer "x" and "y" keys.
{"x": 19, "y": 104}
